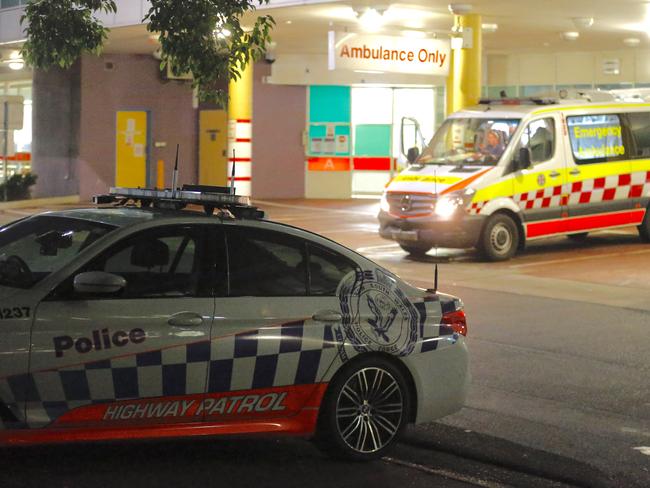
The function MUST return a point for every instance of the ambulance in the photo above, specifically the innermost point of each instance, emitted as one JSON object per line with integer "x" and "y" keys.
{"x": 506, "y": 172}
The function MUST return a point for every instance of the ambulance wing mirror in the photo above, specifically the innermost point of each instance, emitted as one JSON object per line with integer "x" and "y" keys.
{"x": 98, "y": 282}
{"x": 522, "y": 160}
{"x": 410, "y": 135}
{"x": 412, "y": 154}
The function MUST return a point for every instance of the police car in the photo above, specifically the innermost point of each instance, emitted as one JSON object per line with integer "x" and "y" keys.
{"x": 141, "y": 319}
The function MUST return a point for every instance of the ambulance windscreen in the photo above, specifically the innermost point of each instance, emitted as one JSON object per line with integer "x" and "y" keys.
{"x": 469, "y": 141}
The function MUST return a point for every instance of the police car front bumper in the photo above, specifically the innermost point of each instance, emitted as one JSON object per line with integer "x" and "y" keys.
{"x": 462, "y": 231}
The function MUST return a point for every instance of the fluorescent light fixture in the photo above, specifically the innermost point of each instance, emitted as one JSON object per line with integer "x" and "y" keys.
{"x": 369, "y": 71}
{"x": 583, "y": 22}
{"x": 631, "y": 41}
{"x": 489, "y": 28}
{"x": 460, "y": 8}
{"x": 16, "y": 65}
{"x": 570, "y": 35}
{"x": 371, "y": 20}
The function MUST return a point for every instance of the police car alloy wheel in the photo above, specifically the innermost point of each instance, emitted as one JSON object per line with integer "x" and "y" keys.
{"x": 500, "y": 238}
{"x": 365, "y": 410}
{"x": 415, "y": 250}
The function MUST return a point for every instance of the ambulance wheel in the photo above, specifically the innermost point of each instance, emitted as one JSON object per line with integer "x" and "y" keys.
{"x": 500, "y": 238}
{"x": 644, "y": 228}
{"x": 364, "y": 410}
{"x": 415, "y": 249}
{"x": 579, "y": 237}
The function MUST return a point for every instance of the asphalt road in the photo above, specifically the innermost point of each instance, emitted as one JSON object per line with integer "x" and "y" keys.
{"x": 560, "y": 349}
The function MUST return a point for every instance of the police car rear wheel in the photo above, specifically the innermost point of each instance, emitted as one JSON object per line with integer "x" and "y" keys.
{"x": 500, "y": 238}
{"x": 364, "y": 411}
{"x": 415, "y": 250}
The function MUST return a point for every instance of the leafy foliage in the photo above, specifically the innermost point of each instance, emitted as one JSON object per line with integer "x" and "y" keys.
{"x": 205, "y": 37}
{"x": 18, "y": 186}
{"x": 60, "y": 31}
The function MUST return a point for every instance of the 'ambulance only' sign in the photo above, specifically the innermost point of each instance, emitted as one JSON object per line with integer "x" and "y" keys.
{"x": 388, "y": 54}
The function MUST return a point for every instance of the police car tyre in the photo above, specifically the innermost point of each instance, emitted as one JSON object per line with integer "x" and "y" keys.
{"x": 579, "y": 237}
{"x": 364, "y": 411}
{"x": 416, "y": 250}
{"x": 644, "y": 228}
{"x": 499, "y": 239}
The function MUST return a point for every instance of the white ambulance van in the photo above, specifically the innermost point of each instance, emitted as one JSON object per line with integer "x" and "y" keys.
{"x": 505, "y": 172}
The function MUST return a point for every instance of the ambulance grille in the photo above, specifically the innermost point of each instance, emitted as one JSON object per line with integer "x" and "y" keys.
{"x": 410, "y": 204}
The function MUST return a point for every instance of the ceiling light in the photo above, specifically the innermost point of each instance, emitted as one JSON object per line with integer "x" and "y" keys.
{"x": 489, "y": 28}
{"x": 16, "y": 65}
{"x": 414, "y": 34}
{"x": 460, "y": 8}
{"x": 631, "y": 41}
{"x": 570, "y": 35}
{"x": 583, "y": 22}
{"x": 289, "y": 22}
{"x": 371, "y": 20}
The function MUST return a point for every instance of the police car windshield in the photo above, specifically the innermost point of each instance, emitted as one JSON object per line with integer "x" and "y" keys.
{"x": 33, "y": 248}
{"x": 469, "y": 141}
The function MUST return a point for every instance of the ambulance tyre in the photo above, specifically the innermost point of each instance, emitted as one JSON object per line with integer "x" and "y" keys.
{"x": 579, "y": 237}
{"x": 500, "y": 238}
{"x": 644, "y": 228}
{"x": 416, "y": 249}
{"x": 364, "y": 410}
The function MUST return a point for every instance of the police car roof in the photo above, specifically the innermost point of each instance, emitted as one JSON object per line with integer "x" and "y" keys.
{"x": 122, "y": 216}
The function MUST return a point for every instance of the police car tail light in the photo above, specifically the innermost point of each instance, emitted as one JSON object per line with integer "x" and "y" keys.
{"x": 456, "y": 320}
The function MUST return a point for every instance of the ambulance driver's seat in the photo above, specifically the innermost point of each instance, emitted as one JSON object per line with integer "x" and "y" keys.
{"x": 541, "y": 145}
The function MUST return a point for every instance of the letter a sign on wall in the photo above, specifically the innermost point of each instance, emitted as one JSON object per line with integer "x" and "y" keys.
{"x": 388, "y": 53}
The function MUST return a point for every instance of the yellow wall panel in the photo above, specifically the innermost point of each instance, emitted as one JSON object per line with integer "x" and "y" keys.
{"x": 131, "y": 149}
{"x": 213, "y": 147}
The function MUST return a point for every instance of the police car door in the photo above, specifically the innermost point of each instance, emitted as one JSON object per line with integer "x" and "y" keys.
{"x": 272, "y": 334}
{"x": 137, "y": 356}
{"x": 538, "y": 189}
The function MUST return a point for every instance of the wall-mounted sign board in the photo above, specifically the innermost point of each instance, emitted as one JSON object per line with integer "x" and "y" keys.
{"x": 393, "y": 54}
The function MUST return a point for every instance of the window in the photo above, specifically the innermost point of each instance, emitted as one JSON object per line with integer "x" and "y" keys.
{"x": 596, "y": 138}
{"x": 640, "y": 130}
{"x": 326, "y": 270}
{"x": 34, "y": 248}
{"x": 539, "y": 137}
{"x": 265, "y": 263}
{"x": 164, "y": 262}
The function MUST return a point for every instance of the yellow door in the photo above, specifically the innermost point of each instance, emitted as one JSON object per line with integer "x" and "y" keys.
{"x": 131, "y": 149}
{"x": 213, "y": 146}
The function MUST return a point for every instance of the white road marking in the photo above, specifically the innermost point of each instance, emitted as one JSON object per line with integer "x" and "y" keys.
{"x": 631, "y": 430}
{"x": 362, "y": 250}
{"x": 316, "y": 209}
{"x": 643, "y": 450}
{"x": 445, "y": 474}
{"x": 581, "y": 258}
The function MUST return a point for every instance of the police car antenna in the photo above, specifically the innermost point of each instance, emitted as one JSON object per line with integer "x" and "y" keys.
{"x": 175, "y": 173}
{"x": 232, "y": 174}
{"x": 435, "y": 268}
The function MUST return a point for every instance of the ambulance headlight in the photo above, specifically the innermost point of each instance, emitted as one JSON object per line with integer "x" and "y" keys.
{"x": 448, "y": 205}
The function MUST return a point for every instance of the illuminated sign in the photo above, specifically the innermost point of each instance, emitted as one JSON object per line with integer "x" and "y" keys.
{"x": 364, "y": 52}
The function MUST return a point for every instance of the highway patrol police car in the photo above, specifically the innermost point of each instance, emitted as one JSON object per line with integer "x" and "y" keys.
{"x": 146, "y": 321}
{"x": 506, "y": 172}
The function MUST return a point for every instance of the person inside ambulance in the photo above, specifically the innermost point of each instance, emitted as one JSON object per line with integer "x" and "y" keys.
{"x": 494, "y": 146}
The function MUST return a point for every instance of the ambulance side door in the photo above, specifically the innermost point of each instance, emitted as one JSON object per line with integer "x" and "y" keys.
{"x": 538, "y": 188}
{"x": 135, "y": 357}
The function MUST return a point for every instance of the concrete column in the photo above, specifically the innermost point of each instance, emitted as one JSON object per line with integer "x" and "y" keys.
{"x": 240, "y": 132}
{"x": 464, "y": 81}
{"x": 55, "y": 131}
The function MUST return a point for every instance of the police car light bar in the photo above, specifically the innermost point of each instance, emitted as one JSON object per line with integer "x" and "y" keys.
{"x": 209, "y": 197}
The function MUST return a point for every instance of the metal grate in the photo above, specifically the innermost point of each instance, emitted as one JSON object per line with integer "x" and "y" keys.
{"x": 410, "y": 204}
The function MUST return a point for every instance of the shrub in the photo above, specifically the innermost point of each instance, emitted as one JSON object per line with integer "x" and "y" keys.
{"x": 18, "y": 186}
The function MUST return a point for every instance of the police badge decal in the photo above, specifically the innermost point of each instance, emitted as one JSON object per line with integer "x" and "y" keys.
{"x": 377, "y": 316}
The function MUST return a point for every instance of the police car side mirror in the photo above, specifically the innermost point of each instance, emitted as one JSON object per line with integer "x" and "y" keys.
{"x": 523, "y": 159}
{"x": 98, "y": 282}
{"x": 412, "y": 154}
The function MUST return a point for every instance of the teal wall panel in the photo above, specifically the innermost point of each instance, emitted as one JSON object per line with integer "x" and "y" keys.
{"x": 329, "y": 103}
{"x": 372, "y": 140}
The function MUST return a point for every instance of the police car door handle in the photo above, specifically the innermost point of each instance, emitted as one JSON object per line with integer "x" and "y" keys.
{"x": 327, "y": 316}
{"x": 185, "y": 319}
{"x": 574, "y": 172}
{"x": 554, "y": 174}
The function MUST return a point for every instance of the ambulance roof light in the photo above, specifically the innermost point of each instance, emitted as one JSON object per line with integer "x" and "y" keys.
{"x": 518, "y": 101}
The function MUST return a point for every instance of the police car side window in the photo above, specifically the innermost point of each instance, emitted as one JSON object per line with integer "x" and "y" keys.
{"x": 159, "y": 263}
{"x": 539, "y": 137}
{"x": 264, "y": 263}
{"x": 326, "y": 270}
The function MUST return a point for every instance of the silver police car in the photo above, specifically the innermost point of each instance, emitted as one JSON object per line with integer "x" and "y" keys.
{"x": 147, "y": 321}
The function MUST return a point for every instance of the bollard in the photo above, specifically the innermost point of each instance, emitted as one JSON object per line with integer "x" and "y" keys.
{"x": 160, "y": 176}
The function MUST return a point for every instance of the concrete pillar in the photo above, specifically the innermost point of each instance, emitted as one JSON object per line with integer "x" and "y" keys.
{"x": 55, "y": 131}
{"x": 464, "y": 81}
{"x": 240, "y": 132}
